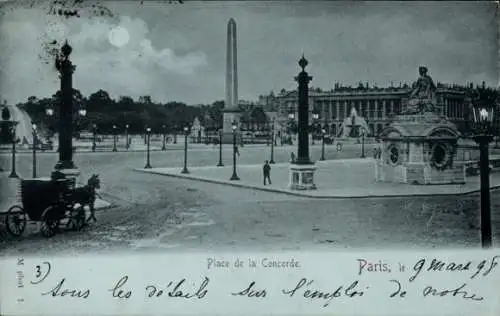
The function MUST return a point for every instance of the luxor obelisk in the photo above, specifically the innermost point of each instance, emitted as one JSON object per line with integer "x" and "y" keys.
{"x": 231, "y": 111}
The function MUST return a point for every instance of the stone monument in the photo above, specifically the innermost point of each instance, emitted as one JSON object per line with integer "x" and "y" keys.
{"x": 231, "y": 112}
{"x": 420, "y": 146}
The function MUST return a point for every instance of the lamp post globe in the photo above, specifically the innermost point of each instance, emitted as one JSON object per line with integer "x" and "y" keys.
{"x": 186, "y": 131}
{"x": 148, "y": 158}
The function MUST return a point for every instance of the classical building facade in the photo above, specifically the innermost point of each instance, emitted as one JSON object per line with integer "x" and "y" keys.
{"x": 376, "y": 105}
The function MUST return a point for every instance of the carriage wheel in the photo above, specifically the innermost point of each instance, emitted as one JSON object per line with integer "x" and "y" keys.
{"x": 49, "y": 224}
{"x": 77, "y": 218}
{"x": 16, "y": 220}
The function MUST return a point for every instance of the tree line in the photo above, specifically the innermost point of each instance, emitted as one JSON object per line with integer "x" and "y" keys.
{"x": 104, "y": 112}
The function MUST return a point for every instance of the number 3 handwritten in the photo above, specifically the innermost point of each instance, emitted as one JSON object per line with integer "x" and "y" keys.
{"x": 40, "y": 275}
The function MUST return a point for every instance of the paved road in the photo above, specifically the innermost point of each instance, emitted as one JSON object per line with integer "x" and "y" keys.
{"x": 156, "y": 212}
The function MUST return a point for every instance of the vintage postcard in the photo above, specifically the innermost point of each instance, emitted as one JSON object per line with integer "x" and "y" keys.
{"x": 249, "y": 157}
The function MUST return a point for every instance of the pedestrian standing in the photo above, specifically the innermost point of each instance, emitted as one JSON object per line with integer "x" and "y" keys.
{"x": 236, "y": 150}
{"x": 267, "y": 172}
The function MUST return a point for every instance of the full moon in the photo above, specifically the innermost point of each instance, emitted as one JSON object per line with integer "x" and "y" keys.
{"x": 118, "y": 36}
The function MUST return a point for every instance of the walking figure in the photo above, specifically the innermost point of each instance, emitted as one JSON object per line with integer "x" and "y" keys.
{"x": 267, "y": 172}
{"x": 236, "y": 150}
{"x": 292, "y": 157}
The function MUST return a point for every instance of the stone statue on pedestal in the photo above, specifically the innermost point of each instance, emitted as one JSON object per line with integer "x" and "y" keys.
{"x": 423, "y": 96}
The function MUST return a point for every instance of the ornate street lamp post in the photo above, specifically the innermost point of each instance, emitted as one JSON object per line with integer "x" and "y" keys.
{"x": 148, "y": 142}
{"x": 234, "y": 176}
{"x": 323, "y": 132}
{"x": 175, "y": 134}
{"x": 13, "y": 173}
{"x": 291, "y": 120}
{"x": 483, "y": 119}
{"x": 94, "y": 137}
{"x": 313, "y": 126}
{"x": 186, "y": 132}
{"x": 272, "y": 142}
{"x": 127, "y": 145}
{"x": 114, "y": 138}
{"x": 220, "y": 164}
{"x": 34, "y": 148}
{"x": 363, "y": 143}
{"x": 163, "y": 147}
{"x": 66, "y": 69}
{"x": 302, "y": 169}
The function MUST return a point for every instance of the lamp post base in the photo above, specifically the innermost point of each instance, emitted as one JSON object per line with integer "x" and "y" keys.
{"x": 234, "y": 177}
{"x": 272, "y": 161}
{"x": 13, "y": 175}
{"x": 147, "y": 166}
{"x": 185, "y": 170}
{"x": 220, "y": 164}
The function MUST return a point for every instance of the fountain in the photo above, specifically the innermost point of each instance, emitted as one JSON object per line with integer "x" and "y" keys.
{"x": 23, "y": 128}
{"x": 420, "y": 146}
{"x": 353, "y": 126}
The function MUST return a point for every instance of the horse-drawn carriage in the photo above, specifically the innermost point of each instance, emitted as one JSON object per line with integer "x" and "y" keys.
{"x": 52, "y": 202}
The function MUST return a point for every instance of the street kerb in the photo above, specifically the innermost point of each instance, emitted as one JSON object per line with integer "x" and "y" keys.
{"x": 360, "y": 188}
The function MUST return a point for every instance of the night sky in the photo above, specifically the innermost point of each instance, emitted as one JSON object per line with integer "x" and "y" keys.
{"x": 177, "y": 52}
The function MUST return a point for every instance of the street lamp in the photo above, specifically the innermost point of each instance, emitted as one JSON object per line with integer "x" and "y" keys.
{"x": 220, "y": 164}
{"x": 164, "y": 138}
{"x": 126, "y": 137}
{"x": 323, "y": 132}
{"x": 363, "y": 143}
{"x": 114, "y": 138}
{"x": 234, "y": 176}
{"x": 148, "y": 141}
{"x": 34, "y": 149}
{"x": 186, "y": 130}
{"x": 13, "y": 173}
{"x": 272, "y": 142}
{"x": 483, "y": 120}
{"x": 94, "y": 137}
{"x": 291, "y": 120}
{"x": 313, "y": 125}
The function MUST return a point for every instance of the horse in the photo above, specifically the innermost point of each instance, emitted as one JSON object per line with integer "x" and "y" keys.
{"x": 86, "y": 195}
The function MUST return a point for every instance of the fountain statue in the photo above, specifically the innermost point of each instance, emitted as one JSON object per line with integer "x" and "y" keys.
{"x": 353, "y": 126}
{"x": 423, "y": 96}
{"x": 23, "y": 128}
